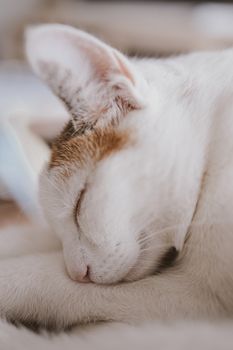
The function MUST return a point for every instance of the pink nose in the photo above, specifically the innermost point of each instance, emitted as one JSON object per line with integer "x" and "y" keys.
{"x": 84, "y": 276}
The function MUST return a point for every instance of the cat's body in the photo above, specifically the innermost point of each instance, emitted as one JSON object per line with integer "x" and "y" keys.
{"x": 179, "y": 336}
{"x": 175, "y": 335}
{"x": 155, "y": 171}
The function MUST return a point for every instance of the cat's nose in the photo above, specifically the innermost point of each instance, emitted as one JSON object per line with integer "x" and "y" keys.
{"x": 84, "y": 276}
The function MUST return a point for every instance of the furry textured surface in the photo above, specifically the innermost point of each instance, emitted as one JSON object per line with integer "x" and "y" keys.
{"x": 16, "y": 243}
{"x": 179, "y": 336}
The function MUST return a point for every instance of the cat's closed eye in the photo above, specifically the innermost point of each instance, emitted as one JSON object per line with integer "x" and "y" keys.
{"x": 78, "y": 206}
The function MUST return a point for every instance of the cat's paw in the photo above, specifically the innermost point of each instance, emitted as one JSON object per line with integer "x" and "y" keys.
{"x": 25, "y": 239}
{"x": 36, "y": 291}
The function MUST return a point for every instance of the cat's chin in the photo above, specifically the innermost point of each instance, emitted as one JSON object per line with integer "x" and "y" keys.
{"x": 135, "y": 274}
{"x": 141, "y": 269}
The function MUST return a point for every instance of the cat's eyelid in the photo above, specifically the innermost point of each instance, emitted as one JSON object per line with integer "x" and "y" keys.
{"x": 78, "y": 205}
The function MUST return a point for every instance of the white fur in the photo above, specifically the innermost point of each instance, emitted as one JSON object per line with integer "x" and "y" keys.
{"x": 173, "y": 184}
{"x": 22, "y": 276}
{"x": 152, "y": 188}
{"x": 179, "y": 336}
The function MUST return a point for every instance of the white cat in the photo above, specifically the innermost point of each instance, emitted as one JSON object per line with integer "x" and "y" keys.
{"x": 142, "y": 172}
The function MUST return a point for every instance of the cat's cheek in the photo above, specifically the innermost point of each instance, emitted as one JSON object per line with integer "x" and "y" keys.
{"x": 113, "y": 268}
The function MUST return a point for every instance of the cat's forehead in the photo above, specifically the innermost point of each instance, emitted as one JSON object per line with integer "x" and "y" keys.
{"x": 77, "y": 146}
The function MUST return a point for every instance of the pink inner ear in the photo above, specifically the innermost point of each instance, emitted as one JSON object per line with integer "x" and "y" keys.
{"x": 102, "y": 61}
{"x": 124, "y": 70}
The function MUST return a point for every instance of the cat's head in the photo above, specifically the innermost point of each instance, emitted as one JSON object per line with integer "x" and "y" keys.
{"x": 96, "y": 190}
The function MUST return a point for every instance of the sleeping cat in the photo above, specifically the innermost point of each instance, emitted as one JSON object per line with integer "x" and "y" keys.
{"x": 142, "y": 175}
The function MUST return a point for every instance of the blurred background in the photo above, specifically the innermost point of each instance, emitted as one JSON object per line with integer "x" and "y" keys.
{"x": 30, "y": 116}
{"x": 137, "y": 27}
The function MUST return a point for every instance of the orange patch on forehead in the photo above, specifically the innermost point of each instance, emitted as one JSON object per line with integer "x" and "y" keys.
{"x": 80, "y": 146}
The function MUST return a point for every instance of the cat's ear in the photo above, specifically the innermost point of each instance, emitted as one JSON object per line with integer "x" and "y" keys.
{"x": 97, "y": 83}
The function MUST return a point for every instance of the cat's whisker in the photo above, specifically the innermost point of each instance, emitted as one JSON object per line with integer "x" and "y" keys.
{"x": 151, "y": 248}
{"x": 151, "y": 234}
